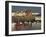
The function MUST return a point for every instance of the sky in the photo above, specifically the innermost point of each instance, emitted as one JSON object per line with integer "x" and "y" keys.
{"x": 19, "y": 8}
